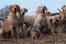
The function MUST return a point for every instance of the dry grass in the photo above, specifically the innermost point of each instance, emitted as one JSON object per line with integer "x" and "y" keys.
{"x": 47, "y": 39}
{"x": 44, "y": 40}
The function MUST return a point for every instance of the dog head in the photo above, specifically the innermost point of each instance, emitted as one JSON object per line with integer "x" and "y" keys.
{"x": 63, "y": 13}
{"x": 54, "y": 21}
{"x": 41, "y": 9}
{"x": 15, "y": 9}
{"x": 23, "y": 11}
{"x": 34, "y": 34}
{"x": 63, "y": 7}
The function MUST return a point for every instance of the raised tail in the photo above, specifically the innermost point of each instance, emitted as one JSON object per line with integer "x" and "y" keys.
{"x": 1, "y": 31}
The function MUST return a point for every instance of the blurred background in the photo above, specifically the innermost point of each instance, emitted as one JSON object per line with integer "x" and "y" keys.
{"x": 31, "y": 5}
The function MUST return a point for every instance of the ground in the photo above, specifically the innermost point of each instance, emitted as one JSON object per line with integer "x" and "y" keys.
{"x": 47, "y": 39}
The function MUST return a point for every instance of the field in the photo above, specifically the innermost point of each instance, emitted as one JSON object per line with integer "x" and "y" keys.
{"x": 47, "y": 39}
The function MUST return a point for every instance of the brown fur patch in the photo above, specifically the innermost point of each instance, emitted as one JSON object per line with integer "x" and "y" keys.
{"x": 41, "y": 7}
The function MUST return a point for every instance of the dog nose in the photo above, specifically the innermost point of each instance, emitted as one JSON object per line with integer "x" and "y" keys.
{"x": 22, "y": 13}
{"x": 15, "y": 9}
{"x": 55, "y": 22}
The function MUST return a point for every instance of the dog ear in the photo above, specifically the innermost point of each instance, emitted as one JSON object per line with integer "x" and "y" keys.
{"x": 37, "y": 11}
{"x": 25, "y": 10}
{"x": 63, "y": 7}
{"x": 11, "y": 8}
{"x": 18, "y": 7}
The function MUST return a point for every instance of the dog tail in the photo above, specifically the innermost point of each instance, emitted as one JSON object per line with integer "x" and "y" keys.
{"x": 1, "y": 31}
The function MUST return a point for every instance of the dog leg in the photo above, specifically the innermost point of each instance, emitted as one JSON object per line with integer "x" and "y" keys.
{"x": 14, "y": 30}
{"x": 52, "y": 31}
{"x": 17, "y": 33}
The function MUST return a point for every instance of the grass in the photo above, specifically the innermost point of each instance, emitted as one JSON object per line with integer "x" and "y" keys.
{"x": 19, "y": 30}
{"x": 45, "y": 40}
{"x": 59, "y": 28}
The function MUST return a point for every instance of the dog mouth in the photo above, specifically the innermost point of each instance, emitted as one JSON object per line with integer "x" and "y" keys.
{"x": 17, "y": 13}
{"x": 15, "y": 10}
{"x": 23, "y": 13}
{"x": 43, "y": 10}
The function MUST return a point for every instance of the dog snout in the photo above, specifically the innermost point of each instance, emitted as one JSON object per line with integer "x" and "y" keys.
{"x": 23, "y": 13}
{"x": 55, "y": 22}
{"x": 43, "y": 10}
{"x": 15, "y": 9}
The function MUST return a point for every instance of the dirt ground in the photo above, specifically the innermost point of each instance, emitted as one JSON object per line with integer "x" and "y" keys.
{"x": 47, "y": 39}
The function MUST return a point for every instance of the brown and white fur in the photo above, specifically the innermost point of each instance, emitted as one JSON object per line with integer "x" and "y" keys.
{"x": 13, "y": 20}
{"x": 63, "y": 18}
{"x": 40, "y": 21}
{"x": 53, "y": 21}
{"x": 8, "y": 23}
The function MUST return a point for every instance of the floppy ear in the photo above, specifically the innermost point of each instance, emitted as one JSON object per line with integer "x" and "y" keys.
{"x": 18, "y": 7}
{"x": 11, "y": 8}
{"x": 63, "y": 7}
{"x": 25, "y": 10}
{"x": 37, "y": 11}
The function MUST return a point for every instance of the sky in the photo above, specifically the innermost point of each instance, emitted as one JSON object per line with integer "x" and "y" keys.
{"x": 32, "y": 5}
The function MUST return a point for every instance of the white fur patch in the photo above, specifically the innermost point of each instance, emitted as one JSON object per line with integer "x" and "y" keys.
{"x": 10, "y": 19}
{"x": 18, "y": 15}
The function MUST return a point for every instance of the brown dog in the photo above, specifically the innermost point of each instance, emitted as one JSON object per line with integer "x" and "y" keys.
{"x": 40, "y": 21}
{"x": 30, "y": 19}
{"x": 53, "y": 21}
{"x": 14, "y": 19}
{"x": 8, "y": 24}
{"x": 63, "y": 18}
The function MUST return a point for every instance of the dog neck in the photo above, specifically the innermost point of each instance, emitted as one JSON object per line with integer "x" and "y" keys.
{"x": 64, "y": 14}
{"x": 42, "y": 14}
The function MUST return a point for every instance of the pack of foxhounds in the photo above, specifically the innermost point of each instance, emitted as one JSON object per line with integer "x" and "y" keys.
{"x": 19, "y": 25}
